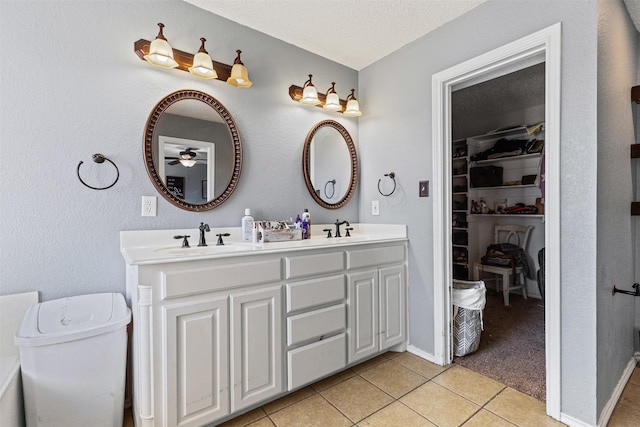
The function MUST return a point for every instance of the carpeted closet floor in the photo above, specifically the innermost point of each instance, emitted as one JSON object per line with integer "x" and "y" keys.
{"x": 511, "y": 345}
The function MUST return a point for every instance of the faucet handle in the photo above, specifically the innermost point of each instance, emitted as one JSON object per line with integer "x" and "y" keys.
{"x": 348, "y": 229}
{"x": 328, "y": 230}
{"x": 185, "y": 242}
{"x": 220, "y": 236}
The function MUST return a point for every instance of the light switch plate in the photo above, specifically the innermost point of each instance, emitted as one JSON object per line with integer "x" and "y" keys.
{"x": 375, "y": 208}
{"x": 424, "y": 189}
{"x": 149, "y": 206}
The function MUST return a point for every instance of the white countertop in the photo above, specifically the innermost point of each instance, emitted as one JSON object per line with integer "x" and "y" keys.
{"x": 159, "y": 246}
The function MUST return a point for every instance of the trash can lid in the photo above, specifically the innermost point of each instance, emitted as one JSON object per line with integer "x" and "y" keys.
{"x": 72, "y": 319}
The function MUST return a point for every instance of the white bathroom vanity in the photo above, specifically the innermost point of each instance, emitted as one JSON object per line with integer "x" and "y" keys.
{"x": 219, "y": 330}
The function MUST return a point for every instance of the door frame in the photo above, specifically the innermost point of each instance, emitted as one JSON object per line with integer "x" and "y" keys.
{"x": 545, "y": 42}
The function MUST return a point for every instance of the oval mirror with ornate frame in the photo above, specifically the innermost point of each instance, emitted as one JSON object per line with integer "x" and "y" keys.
{"x": 192, "y": 150}
{"x": 330, "y": 164}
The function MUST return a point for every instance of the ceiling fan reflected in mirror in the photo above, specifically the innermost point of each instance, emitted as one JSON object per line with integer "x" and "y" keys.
{"x": 187, "y": 158}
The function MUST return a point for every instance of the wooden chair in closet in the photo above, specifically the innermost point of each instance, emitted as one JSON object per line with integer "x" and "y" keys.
{"x": 517, "y": 235}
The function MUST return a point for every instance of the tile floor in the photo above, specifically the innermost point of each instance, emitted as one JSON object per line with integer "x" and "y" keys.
{"x": 401, "y": 389}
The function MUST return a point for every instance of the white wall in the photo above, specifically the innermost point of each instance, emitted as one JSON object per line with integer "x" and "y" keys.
{"x": 395, "y": 134}
{"x": 72, "y": 86}
{"x": 617, "y": 71}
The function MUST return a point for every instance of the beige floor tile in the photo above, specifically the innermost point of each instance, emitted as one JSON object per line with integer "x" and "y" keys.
{"x": 624, "y": 416}
{"x": 369, "y": 364}
{"x": 485, "y": 418}
{"x": 635, "y": 377}
{"x": 468, "y": 384}
{"x": 393, "y": 354}
{"x": 395, "y": 414}
{"x": 333, "y": 380}
{"x": 287, "y": 400}
{"x": 245, "y": 419}
{"x": 419, "y": 365}
{"x": 520, "y": 409}
{"x": 356, "y": 398}
{"x": 313, "y": 411}
{"x": 263, "y": 422}
{"x": 393, "y": 378}
{"x": 631, "y": 394}
{"x": 439, "y": 405}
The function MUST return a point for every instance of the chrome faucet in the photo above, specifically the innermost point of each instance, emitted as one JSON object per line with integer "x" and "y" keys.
{"x": 203, "y": 227}
{"x": 338, "y": 224}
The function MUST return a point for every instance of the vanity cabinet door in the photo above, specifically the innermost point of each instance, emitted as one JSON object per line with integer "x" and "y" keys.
{"x": 363, "y": 315}
{"x": 392, "y": 306}
{"x": 196, "y": 358}
{"x": 256, "y": 346}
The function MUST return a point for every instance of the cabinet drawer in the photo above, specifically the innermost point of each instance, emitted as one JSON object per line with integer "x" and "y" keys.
{"x": 315, "y": 324}
{"x": 315, "y": 292}
{"x": 374, "y": 257}
{"x": 178, "y": 283}
{"x": 307, "y": 265}
{"x": 314, "y": 361}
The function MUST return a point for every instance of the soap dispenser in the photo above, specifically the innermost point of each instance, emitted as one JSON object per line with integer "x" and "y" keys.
{"x": 247, "y": 226}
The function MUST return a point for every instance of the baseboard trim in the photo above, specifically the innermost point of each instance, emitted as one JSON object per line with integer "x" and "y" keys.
{"x": 617, "y": 392}
{"x": 573, "y": 422}
{"x": 420, "y": 353}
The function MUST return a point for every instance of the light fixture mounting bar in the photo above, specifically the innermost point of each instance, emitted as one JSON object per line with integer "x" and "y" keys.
{"x": 295, "y": 92}
{"x": 184, "y": 60}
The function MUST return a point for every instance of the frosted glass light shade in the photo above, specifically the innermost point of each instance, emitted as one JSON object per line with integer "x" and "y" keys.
{"x": 203, "y": 66}
{"x": 187, "y": 163}
{"x": 161, "y": 54}
{"x": 353, "y": 109}
{"x": 310, "y": 96}
{"x": 333, "y": 102}
{"x": 239, "y": 76}
{"x": 160, "y": 51}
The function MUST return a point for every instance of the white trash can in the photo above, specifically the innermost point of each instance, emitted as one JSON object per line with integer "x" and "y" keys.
{"x": 469, "y": 299}
{"x": 73, "y": 361}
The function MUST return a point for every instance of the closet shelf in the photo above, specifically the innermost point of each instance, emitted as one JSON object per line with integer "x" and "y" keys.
{"x": 508, "y": 215}
{"x": 502, "y": 187}
{"x": 506, "y": 159}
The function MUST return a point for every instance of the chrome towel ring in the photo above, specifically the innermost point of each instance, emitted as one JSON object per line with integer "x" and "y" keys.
{"x": 99, "y": 158}
{"x": 391, "y": 175}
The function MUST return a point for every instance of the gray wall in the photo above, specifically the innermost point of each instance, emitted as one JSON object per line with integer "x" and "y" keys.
{"x": 72, "y": 86}
{"x": 617, "y": 71}
{"x": 395, "y": 134}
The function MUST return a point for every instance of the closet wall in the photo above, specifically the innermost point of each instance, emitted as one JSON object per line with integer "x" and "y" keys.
{"x": 510, "y": 100}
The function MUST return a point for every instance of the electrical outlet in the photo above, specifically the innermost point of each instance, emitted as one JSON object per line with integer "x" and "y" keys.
{"x": 375, "y": 208}
{"x": 149, "y": 206}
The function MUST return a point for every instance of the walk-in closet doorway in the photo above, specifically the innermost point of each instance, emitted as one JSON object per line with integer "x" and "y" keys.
{"x": 542, "y": 46}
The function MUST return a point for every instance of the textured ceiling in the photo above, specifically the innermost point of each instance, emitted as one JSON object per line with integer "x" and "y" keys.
{"x": 363, "y": 31}
{"x": 633, "y": 6}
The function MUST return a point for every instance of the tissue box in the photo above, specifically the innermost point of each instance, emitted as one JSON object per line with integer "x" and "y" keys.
{"x": 269, "y": 235}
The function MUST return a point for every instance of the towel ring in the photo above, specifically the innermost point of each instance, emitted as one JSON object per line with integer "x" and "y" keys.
{"x": 333, "y": 187}
{"x": 99, "y": 158}
{"x": 393, "y": 177}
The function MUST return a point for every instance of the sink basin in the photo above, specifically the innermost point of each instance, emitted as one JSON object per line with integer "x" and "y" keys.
{"x": 206, "y": 250}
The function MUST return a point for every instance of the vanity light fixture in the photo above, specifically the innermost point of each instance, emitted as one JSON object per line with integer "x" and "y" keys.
{"x": 239, "y": 73}
{"x": 353, "y": 108}
{"x": 202, "y": 63}
{"x": 332, "y": 102}
{"x": 308, "y": 95}
{"x": 159, "y": 52}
